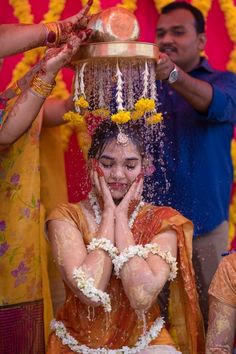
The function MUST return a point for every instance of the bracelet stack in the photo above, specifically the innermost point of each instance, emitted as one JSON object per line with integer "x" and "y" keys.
{"x": 41, "y": 88}
{"x": 86, "y": 285}
{"x": 105, "y": 244}
{"x": 56, "y": 29}
{"x": 143, "y": 251}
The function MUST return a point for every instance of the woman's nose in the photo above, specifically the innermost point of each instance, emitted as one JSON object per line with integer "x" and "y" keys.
{"x": 117, "y": 173}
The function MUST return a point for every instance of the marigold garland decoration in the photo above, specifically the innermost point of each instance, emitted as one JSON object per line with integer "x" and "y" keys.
{"x": 231, "y": 66}
{"x": 81, "y": 102}
{"x": 130, "y": 5}
{"x": 121, "y": 117}
{"x": 203, "y": 5}
{"x": 102, "y": 112}
{"x": 154, "y": 119}
{"x": 229, "y": 9}
{"x": 144, "y": 105}
{"x": 55, "y": 9}
{"x": 95, "y": 8}
{"x": 74, "y": 117}
{"x": 22, "y": 11}
{"x": 161, "y": 3}
{"x": 135, "y": 115}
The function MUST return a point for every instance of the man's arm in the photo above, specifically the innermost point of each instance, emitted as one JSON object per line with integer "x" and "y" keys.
{"x": 214, "y": 101}
{"x": 197, "y": 92}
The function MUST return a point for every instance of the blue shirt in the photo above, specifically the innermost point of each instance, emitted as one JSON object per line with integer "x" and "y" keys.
{"x": 196, "y": 152}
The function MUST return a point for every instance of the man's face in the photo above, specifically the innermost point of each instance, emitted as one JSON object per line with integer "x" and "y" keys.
{"x": 178, "y": 38}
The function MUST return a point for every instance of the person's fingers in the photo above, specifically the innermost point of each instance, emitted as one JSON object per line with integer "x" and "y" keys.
{"x": 96, "y": 182}
{"x": 84, "y": 11}
{"x": 139, "y": 187}
{"x": 105, "y": 190}
{"x": 129, "y": 196}
{"x": 83, "y": 23}
{"x": 85, "y": 34}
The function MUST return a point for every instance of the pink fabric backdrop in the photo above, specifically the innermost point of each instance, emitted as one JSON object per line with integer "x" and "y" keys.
{"x": 218, "y": 50}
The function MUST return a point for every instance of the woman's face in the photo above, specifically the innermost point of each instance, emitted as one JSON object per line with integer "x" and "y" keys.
{"x": 120, "y": 165}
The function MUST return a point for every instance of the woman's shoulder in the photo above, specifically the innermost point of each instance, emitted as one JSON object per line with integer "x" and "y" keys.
{"x": 166, "y": 217}
{"x": 228, "y": 264}
{"x": 68, "y": 211}
{"x": 162, "y": 210}
{"x": 223, "y": 285}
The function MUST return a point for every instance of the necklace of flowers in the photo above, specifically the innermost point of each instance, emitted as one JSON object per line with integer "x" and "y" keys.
{"x": 142, "y": 343}
{"x": 97, "y": 210}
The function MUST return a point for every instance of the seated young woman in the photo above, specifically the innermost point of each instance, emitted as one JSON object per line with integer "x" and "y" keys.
{"x": 115, "y": 253}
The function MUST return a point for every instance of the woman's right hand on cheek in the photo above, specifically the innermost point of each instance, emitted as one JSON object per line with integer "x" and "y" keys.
{"x": 102, "y": 188}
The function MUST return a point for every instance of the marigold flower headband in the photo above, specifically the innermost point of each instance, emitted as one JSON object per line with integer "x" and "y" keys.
{"x": 121, "y": 89}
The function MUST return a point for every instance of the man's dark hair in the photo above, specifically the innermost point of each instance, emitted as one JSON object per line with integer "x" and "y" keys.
{"x": 197, "y": 14}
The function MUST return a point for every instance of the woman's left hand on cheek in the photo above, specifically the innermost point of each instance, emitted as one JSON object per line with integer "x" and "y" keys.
{"x": 134, "y": 194}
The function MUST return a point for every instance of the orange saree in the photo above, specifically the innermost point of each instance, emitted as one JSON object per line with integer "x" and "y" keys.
{"x": 122, "y": 326}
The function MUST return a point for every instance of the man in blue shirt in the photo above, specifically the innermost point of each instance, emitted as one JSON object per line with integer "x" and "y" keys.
{"x": 201, "y": 109}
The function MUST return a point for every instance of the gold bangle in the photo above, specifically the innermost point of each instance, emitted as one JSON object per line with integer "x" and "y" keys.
{"x": 15, "y": 88}
{"x": 53, "y": 27}
{"x": 41, "y": 88}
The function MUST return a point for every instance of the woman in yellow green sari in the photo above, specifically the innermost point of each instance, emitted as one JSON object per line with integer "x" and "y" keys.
{"x": 25, "y": 302}
{"x": 115, "y": 253}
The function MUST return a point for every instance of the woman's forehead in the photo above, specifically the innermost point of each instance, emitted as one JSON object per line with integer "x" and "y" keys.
{"x": 114, "y": 149}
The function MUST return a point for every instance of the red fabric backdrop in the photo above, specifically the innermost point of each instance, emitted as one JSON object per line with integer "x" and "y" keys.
{"x": 218, "y": 50}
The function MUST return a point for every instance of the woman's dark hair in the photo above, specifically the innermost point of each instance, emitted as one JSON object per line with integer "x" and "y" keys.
{"x": 108, "y": 130}
{"x": 197, "y": 14}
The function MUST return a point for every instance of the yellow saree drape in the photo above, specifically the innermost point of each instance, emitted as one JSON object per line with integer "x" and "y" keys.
{"x": 25, "y": 300}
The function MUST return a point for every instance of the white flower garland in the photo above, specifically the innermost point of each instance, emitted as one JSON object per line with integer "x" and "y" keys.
{"x": 76, "y": 89}
{"x": 146, "y": 75}
{"x": 142, "y": 343}
{"x": 104, "y": 244}
{"x": 97, "y": 211}
{"x": 125, "y": 256}
{"x": 134, "y": 215}
{"x": 166, "y": 256}
{"x": 96, "y": 208}
{"x": 119, "y": 93}
{"x": 86, "y": 286}
{"x": 143, "y": 251}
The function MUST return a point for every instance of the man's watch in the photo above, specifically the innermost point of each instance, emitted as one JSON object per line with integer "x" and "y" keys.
{"x": 173, "y": 76}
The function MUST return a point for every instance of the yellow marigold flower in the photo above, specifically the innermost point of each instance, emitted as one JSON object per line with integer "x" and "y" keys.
{"x": 84, "y": 140}
{"x": 101, "y": 112}
{"x": 145, "y": 105}
{"x": 81, "y": 102}
{"x": 66, "y": 132}
{"x": 74, "y": 118}
{"x": 135, "y": 115}
{"x": 121, "y": 117}
{"x": 154, "y": 119}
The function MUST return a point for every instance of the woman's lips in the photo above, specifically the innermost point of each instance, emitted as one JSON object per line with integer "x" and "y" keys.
{"x": 117, "y": 186}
